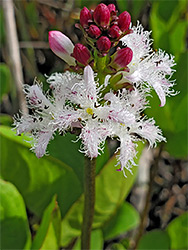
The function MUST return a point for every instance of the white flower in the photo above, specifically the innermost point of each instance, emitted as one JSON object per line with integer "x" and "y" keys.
{"x": 78, "y": 102}
{"x": 149, "y": 68}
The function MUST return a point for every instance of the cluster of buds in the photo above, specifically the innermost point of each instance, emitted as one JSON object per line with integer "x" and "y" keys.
{"x": 102, "y": 29}
{"x": 104, "y": 24}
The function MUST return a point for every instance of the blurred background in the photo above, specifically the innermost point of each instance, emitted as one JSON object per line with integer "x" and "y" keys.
{"x": 158, "y": 196}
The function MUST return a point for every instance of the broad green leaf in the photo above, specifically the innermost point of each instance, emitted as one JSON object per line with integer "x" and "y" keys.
{"x": 178, "y": 231}
{"x": 158, "y": 26}
{"x": 162, "y": 115}
{"x": 111, "y": 190}
{"x": 48, "y": 234}
{"x": 178, "y": 33}
{"x": 37, "y": 179}
{"x": 15, "y": 232}
{"x": 156, "y": 239}
{"x": 125, "y": 219}
{"x": 66, "y": 150}
{"x": 181, "y": 76}
{"x": 96, "y": 241}
{"x": 5, "y": 76}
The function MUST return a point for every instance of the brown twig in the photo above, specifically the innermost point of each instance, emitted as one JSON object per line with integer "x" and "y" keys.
{"x": 13, "y": 51}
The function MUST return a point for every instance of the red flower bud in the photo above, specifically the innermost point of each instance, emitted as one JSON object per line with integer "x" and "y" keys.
{"x": 114, "y": 31}
{"x": 103, "y": 44}
{"x": 123, "y": 57}
{"x": 85, "y": 16}
{"x": 94, "y": 31}
{"x": 81, "y": 54}
{"x": 111, "y": 7}
{"x": 124, "y": 21}
{"x": 101, "y": 15}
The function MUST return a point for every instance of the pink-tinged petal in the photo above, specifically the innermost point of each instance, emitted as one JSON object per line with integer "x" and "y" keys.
{"x": 90, "y": 83}
{"x": 24, "y": 124}
{"x": 65, "y": 119}
{"x": 160, "y": 92}
{"x": 36, "y": 98}
{"x": 43, "y": 140}
{"x": 150, "y": 132}
{"x": 62, "y": 46}
{"x": 93, "y": 136}
{"x": 127, "y": 153}
{"x": 90, "y": 142}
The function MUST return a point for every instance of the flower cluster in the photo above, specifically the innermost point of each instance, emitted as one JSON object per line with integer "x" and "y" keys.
{"x": 103, "y": 94}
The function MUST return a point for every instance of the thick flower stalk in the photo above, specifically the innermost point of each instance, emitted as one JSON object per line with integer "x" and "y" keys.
{"x": 103, "y": 93}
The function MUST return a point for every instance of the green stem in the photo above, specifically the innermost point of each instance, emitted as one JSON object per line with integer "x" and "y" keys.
{"x": 89, "y": 202}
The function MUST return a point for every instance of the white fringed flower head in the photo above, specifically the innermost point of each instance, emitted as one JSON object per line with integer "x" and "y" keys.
{"x": 148, "y": 68}
{"x": 77, "y": 101}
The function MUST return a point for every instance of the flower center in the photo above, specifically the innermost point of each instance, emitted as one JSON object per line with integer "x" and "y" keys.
{"x": 89, "y": 111}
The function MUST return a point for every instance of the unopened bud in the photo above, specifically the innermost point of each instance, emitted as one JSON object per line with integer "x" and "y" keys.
{"x": 85, "y": 16}
{"x": 112, "y": 7}
{"x": 81, "y": 54}
{"x": 123, "y": 57}
{"x": 101, "y": 15}
{"x": 62, "y": 46}
{"x": 103, "y": 44}
{"x": 124, "y": 21}
{"x": 94, "y": 31}
{"x": 114, "y": 31}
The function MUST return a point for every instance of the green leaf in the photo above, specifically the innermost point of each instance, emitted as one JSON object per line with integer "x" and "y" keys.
{"x": 125, "y": 219}
{"x": 156, "y": 239}
{"x": 178, "y": 230}
{"x": 111, "y": 190}
{"x": 66, "y": 150}
{"x": 96, "y": 241}
{"x": 15, "y": 232}
{"x": 5, "y": 76}
{"x": 37, "y": 179}
{"x": 178, "y": 34}
{"x": 158, "y": 26}
{"x": 48, "y": 234}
